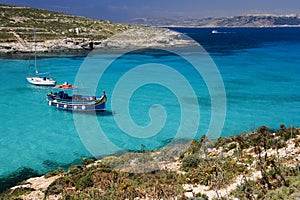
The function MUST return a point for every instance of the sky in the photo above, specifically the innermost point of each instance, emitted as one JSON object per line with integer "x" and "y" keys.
{"x": 124, "y": 10}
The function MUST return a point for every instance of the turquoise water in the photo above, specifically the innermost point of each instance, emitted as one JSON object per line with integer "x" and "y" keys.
{"x": 261, "y": 80}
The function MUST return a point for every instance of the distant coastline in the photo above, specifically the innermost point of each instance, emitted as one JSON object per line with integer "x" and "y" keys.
{"x": 181, "y": 26}
{"x": 250, "y": 20}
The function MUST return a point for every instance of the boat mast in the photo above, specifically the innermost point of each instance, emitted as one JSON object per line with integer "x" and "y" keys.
{"x": 34, "y": 38}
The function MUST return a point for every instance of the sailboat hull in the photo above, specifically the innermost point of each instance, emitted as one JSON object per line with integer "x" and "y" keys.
{"x": 39, "y": 81}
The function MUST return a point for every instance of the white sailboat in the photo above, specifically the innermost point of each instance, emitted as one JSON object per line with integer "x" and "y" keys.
{"x": 38, "y": 79}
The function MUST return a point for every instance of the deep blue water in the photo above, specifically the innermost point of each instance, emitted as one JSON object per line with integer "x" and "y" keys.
{"x": 259, "y": 67}
{"x": 231, "y": 39}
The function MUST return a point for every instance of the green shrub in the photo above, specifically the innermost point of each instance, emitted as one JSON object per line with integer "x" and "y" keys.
{"x": 54, "y": 173}
{"x": 195, "y": 146}
{"x": 57, "y": 186}
{"x": 245, "y": 145}
{"x": 290, "y": 133}
{"x": 232, "y": 146}
{"x": 191, "y": 161}
{"x": 19, "y": 191}
{"x": 220, "y": 142}
{"x": 112, "y": 161}
{"x": 244, "y": 190}
{"x": 86, "y": 161}
{"x": 201, "y": 196}
{"x": 84, "y": 182}
{"x": 249, "y": 159}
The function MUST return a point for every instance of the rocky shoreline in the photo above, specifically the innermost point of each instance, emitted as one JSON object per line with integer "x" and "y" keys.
{"x": 257, "y": 165}
{"x": 136, "y": 37}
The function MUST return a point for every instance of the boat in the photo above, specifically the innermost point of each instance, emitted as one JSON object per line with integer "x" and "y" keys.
{"x": 62, "y": 100}
{"x": 214, "y": 31}
{"x": 65, "y": 85}
{"x": 41, "y": 81}
{"x": 38, "y": 79}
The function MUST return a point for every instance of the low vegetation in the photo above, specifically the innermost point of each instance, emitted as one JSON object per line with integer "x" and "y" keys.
{"x": 259, "y": 165}
{"x": 59, "y": 32}
{"x": 51, "y": 25}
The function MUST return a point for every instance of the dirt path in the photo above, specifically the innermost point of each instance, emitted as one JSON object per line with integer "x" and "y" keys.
{"x": 20, "y": 40}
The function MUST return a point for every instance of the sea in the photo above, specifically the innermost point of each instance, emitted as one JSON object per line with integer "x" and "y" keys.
{"x": 235, "y": 81}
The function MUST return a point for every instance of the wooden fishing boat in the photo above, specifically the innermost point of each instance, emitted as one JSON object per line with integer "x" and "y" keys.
{"x": 62, "y": 100}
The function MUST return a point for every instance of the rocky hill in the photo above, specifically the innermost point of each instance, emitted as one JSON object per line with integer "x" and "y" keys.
{"x": 259, "y": 20}
{"x": 62, "y": 32}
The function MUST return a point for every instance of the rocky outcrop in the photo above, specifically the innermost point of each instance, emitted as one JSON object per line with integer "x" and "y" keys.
{"x": 145, "y": 37}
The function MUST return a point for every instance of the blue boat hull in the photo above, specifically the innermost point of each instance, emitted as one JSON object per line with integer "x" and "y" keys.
{"x": 77, "y": 102}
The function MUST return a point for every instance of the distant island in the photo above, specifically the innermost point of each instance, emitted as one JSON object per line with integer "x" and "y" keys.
{"x": 58, "y": 32}
{"x": 251, "y": 20}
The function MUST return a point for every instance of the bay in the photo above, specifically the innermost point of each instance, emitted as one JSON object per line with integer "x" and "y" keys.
{"x": 259, "y": 67}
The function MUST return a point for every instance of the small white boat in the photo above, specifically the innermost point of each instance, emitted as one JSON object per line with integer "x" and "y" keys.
{"x": 41, "y": 81}
{"x": 38, "y": 79}
{"x": 214, "y": 31}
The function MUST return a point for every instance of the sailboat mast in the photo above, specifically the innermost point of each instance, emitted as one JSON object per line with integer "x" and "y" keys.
{"x": 34, "y": 38}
